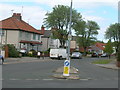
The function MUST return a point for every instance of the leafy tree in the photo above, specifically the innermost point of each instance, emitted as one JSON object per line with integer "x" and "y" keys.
{"x": 61, "y": 35}
{"x": 86, "y": 32}
{"x": 113, "y": 33}
{"x": 109, "y": 48}
{"x": 59, "y": 19}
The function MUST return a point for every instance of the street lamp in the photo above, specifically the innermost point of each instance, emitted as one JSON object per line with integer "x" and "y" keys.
{"x": 67, "y": 62}
{"x": 70, "y": 33}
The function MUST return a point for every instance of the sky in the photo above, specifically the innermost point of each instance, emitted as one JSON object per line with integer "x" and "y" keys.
{"x": 104, "y": 12}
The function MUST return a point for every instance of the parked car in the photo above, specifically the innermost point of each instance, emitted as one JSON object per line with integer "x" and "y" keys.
{"x": 94, "y": 55}
{"x": 58, "y": 53}
{"x": 104, "y": 55}
{"x": 76, "y": 55}
{"x": 23, "y": 52}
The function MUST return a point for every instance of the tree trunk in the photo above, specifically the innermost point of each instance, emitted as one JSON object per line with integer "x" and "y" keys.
{"x": 6, "y": 51}
{"x": 85, "y": 51}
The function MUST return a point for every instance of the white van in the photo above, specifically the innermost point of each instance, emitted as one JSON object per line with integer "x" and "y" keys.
{"x": 58, "y": 53}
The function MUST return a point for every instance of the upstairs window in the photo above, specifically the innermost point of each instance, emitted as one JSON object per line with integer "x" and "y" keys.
{"x": 34, "y": 36}
{"x": 27, "y": 35}
{"x": 38, "y": 37}
{"x": 2, "y": 32}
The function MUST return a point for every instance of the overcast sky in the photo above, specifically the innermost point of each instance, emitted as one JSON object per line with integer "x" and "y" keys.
{"x": 104, "y": 12}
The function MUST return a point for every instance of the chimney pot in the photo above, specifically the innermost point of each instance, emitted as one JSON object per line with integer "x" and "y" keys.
{"x": 17, "y": 15}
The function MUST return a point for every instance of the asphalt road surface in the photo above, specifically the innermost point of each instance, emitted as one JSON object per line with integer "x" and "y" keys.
{"x": 39, "y": 75}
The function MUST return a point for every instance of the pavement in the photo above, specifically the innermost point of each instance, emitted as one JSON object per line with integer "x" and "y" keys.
{"x": 111, "y": 65}
{"x": 25, "y": 60}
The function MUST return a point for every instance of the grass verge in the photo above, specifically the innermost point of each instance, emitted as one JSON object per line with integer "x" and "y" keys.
{"x": 101, "y": 61}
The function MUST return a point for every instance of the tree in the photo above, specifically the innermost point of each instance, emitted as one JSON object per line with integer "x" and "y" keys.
{"x": 109, "y": 48}
{"x": 86, "y": 32}
{"x": 61, "y": 35}
{"x": 59, "y": 19}
{"x": 113, "y": 33}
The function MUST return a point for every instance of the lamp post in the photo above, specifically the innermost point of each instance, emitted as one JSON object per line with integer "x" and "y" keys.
{"x": 69, "y": 35}
{"x": 67, "y": 62}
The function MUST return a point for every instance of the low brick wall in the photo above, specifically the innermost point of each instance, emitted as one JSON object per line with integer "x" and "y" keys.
{"x": 46, "y": 55}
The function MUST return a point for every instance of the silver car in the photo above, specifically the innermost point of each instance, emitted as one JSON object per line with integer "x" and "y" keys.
{"x": 76, "y": 55}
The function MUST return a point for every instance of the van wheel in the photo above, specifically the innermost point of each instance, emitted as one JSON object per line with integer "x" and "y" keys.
{"x": 60, "y": 57}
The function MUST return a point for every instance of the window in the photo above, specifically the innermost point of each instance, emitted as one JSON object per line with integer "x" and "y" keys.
{"x": 38, "y": 37}
{"x": 34, "y": 36}
{"x": 2, "y": 32}
{"x": 27, "y": 35}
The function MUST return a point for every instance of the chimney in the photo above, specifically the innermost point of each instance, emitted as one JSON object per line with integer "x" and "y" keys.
{"x": 17, "y": 16}
{"x": 42, "y": 29}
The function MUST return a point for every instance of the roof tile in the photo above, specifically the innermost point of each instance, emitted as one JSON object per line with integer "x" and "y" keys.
{"x": 14, "y": 23}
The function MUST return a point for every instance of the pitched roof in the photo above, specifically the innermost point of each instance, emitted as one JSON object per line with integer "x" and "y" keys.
{"x": 47, "y": 34}
{"x": 100, "y": 45}
{"x": 17, "y": 24}
{"x": 93, "y": 47}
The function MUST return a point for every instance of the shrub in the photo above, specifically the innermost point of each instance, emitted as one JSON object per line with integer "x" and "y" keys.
{"x": 32, "y": 53}
{"x": 12, "y": 51}
{"x": 48, "y": 49}
{"x": 89, "y": 52}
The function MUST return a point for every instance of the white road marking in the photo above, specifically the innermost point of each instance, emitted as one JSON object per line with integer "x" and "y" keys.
{"x": 14, "y": 79}
{"x": 47, "y": 79}
{"x": 84, "y": 79}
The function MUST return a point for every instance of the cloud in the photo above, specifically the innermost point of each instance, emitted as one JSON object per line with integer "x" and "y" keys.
{"x": 79, "y": 3}
{"x": 76, "y": 3}
{"x": 101, "y": 35}
{"x": 93, "y": 18}
{"x": 42, "y": 1}
{"x": 32, "y": 14}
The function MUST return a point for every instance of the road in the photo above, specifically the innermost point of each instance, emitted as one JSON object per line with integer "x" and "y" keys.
{"x": 39, "y": 75}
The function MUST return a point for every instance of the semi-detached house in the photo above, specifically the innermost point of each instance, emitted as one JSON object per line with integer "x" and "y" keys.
{"x": 19, "y": 33}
